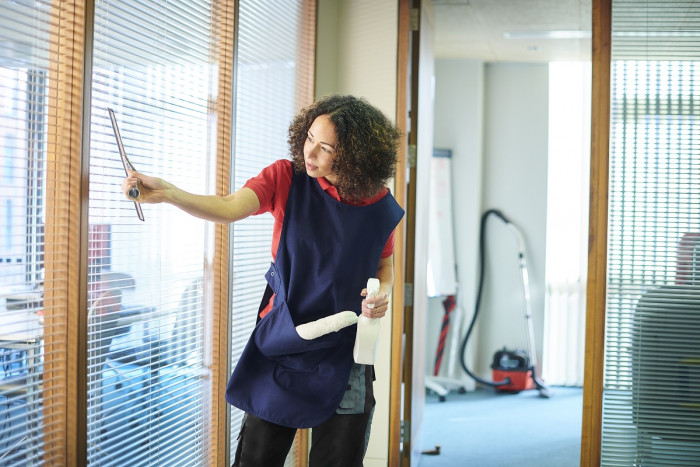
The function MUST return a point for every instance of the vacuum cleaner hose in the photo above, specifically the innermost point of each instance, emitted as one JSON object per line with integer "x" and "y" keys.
{"x": 482, "y": 237}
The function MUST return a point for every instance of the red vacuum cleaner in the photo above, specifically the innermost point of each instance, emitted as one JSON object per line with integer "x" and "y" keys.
{"x": 513, "y": 370}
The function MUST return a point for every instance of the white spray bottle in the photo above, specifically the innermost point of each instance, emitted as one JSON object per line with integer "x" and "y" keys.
{"x": 365, "y": 351}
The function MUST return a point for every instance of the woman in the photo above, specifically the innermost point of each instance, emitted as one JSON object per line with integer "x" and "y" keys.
{"x": 334, "y": 226}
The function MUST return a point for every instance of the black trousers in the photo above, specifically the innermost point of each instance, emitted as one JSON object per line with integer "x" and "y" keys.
{"x": 340, "y": 441}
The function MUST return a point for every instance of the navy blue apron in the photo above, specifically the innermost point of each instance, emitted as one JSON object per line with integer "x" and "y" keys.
{"x": 327, "y": 251}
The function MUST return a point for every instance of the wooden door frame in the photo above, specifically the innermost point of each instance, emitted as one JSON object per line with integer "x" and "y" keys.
{"x": 597, "y": 234}
{"x": 400, "y": 260}
{"x": 401, "y": 344}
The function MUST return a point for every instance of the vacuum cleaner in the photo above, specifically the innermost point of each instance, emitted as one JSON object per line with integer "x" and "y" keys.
{"x": 513, "y": 370}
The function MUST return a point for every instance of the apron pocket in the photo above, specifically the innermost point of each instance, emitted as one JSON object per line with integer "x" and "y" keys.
{"x": 305, "y": 361}
{"x": 276, "y": 336}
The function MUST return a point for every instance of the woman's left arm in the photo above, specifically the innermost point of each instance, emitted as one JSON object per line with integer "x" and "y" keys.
{"x": 385, "y": 274}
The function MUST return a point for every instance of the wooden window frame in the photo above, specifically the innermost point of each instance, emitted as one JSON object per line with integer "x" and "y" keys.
{"x": 66, "y": 242}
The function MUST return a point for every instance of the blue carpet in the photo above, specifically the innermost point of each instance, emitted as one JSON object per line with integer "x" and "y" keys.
{"x": 487, "y": 429}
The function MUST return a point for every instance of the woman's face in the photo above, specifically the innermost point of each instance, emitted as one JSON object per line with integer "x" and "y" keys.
{"x": 319, "y": 149}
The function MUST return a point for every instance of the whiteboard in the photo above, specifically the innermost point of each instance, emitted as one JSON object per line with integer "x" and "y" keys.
{"x": 442, "y": 279}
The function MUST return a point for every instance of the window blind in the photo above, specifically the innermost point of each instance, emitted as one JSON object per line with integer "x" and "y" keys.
{"x": 34, "y": 69}
{"x": 651, "y": 400}
{"x": 274, "y": 74}
{"x": 147, "y": 377}
{"x": 145, "y": 299}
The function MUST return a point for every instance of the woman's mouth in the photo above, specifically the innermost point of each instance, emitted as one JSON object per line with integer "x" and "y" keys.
{"x": 311, "y": 167}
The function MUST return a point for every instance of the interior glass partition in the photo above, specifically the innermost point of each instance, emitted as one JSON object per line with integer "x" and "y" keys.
{"x": 274, "y": 76}
{"x": 142, "y": 294}
{"x": 651, "y": 399}
{"x": 25, "y": 35}
{"x": 147, "y": 389}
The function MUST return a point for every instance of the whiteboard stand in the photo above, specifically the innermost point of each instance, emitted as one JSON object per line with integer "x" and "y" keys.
{"x": 441, "y": 274}
{"x": 443, "y": 385}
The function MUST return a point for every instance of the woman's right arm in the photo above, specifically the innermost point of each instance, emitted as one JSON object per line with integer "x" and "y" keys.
{"x": 222, "y": 209}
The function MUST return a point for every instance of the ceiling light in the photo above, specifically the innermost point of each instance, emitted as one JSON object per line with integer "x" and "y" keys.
{"x": 663, "y": 34}
{"x": 547, "y": 35}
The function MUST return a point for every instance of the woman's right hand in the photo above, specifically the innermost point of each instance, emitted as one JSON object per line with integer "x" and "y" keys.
{"x": 151, "y": 189}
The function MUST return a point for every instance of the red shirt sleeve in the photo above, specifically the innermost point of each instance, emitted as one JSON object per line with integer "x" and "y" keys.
{"x": 271, "y": 186}
{"x": 389, "y": 246}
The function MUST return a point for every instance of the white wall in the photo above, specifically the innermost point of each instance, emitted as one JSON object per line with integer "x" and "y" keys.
{"x": 356, "y": 54}
{"x": 357, "y": 50}
{"x": 327, "y": 37}
{"x": 459, "y": 102}
{"x": 495, "y": 119}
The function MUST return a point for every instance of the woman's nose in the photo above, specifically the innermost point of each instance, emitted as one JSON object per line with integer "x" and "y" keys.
{"x": 313, "y": 151}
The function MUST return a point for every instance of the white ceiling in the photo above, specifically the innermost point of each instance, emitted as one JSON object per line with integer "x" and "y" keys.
{"x": 478, "y": 29}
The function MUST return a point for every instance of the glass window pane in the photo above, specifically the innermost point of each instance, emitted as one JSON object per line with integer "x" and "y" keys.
{"x": 272, "y": 80}
{"x": 146, "y": 320}
{"x": 652, "y": 351}
{"x": 24, "y": 35}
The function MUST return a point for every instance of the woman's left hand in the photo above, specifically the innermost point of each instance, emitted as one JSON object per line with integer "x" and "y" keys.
{"x": 380, "y": 302}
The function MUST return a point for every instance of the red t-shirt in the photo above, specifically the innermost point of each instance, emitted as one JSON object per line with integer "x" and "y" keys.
{"x": 271, "y": 186}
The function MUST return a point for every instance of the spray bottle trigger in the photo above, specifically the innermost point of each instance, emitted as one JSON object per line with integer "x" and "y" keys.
{"x": 372, "y": 289}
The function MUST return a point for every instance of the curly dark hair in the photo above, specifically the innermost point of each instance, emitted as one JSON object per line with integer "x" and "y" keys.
{"x": 366, "y": 144}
